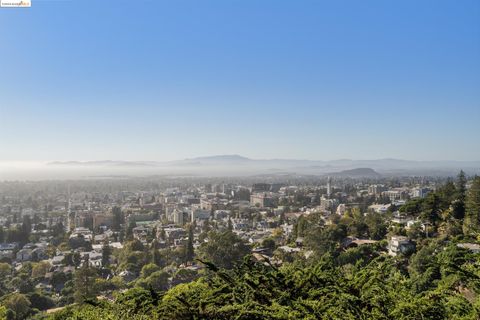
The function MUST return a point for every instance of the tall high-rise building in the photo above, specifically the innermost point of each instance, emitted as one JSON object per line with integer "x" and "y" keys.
{"x": 178, "y": 217}
{"x": 69, "y": 212}
{"x": 329, "y": 187}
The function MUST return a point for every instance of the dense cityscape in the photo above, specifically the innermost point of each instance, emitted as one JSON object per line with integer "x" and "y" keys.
{"x": 67, "y": 243}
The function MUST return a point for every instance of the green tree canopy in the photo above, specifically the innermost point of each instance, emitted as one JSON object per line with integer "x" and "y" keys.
{"x": 224, "y": 249}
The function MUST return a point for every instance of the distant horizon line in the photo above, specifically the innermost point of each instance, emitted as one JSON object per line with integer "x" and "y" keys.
{"x": 231, "y": 156}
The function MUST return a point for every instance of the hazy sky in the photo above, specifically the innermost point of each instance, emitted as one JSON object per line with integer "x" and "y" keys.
{"x": 161, "y": 80}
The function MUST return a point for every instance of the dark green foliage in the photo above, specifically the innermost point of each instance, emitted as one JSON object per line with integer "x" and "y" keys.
{"x": 413, "y": 207}
{"x": 40, "y": 301}
{"x": 157, "y": 281}
{"x": 155, "y": 255}
{"x": 459, "y": 204}
{"x": 357, "y": 255}
{"x": 269, "y": 244}
{"x": 189, "y": 251}
{"x": 17, "y": 304}
{"x": 326, "y": 239}
{"x": 471, "y": 224}
{"x": 375, "y": 288}
{"x": 431, "y": 208}
{"x": 106, "y": 253}
{"x": 377, "y": 227}
{"x": 118, "y": 218}
{"x": 2, "y": 234}
{"x": 84, "y": 281}
{"x": 129, "y": 232}
{"x": 224, "y": 249}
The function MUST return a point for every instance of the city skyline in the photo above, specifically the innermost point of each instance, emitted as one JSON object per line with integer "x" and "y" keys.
{"x": 167, "y": 81}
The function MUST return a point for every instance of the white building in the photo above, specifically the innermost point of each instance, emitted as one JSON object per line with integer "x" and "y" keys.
{"x": 420, "y": 192}
{"x": 379, "y": 208}
{"x": 399, "y": 245}
{"x": 178, "y": 217}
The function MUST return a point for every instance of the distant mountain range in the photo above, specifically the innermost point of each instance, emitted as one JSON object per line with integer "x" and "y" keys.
{"x": 357, "y": 173}
{"x": 239, "y": 165}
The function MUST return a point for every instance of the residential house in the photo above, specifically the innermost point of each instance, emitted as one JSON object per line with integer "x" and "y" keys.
{"x": 400, "y": 245}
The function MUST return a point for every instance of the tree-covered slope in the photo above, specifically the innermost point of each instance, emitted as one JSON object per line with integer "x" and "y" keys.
{"x": 439, "y": 285}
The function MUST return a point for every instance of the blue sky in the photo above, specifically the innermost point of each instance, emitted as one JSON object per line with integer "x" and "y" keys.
{"x": 162, "y": 80}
